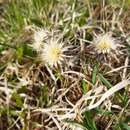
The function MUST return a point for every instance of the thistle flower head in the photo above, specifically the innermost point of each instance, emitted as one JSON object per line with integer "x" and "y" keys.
{"x": 52, "y": 52}
{"x": 39, "y": 36}
{"x": 104, "y": 43}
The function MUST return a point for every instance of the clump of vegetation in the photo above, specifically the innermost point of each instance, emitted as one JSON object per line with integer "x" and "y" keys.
{"x": 64, "y": 65}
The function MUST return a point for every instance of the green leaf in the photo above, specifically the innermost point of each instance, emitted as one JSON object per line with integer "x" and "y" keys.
{"x": 124, "y": 126}
{"x": 105, "y": 81}
{"x": 103, "y": 112}
{"x": 37, "y": 22}
{"x": 84, "y": 86}
{"x": 75, "y": 123}
{"x": 18, "y": 99}
{"x": 88, "y": 121}
{"x": 28, "y": 51}
{"x": 19, "y": 53}
{"x": 94, "y": 74}
{"x": 44, "y": 98}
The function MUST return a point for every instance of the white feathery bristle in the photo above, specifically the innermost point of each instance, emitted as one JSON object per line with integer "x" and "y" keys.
{"x": 39, "y": 37}
{"x": 52, "y": 53}
{"x": 104, "y": 43}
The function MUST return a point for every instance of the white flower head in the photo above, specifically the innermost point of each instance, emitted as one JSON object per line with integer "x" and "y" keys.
{"x": 39, "y": 37}
{"x": 52, "y": 52}
{"x": 104, "y": 43}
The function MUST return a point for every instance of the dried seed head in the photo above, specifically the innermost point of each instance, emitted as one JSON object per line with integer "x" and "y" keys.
{"x": 104, "y": 43}
{"x": 39, "y": 37}
{"x": 52, "y": 52}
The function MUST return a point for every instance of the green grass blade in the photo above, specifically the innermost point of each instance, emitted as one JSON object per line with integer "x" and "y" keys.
{"x": 104, "y": 81}
{"x": 94, "y": 74}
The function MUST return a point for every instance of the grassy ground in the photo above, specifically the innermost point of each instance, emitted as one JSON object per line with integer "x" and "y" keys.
{"x": 88, "y": 90}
